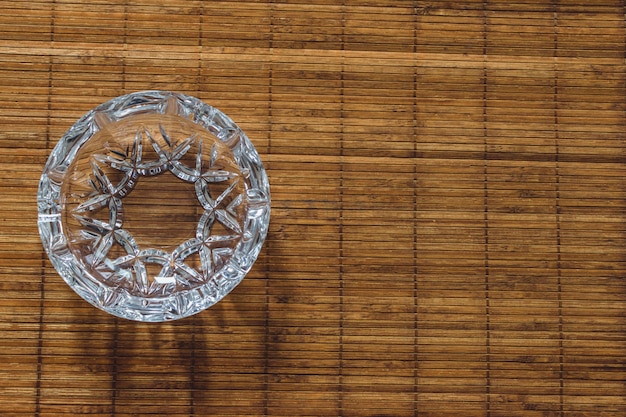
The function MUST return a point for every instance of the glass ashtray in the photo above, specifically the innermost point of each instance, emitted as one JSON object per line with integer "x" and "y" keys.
{"x": 153, "y": 206}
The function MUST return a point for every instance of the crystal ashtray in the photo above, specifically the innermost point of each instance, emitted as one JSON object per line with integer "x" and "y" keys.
{"x": 153, "y": 206}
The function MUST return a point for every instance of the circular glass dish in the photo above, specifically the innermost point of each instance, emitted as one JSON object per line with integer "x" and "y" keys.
{"x": 153, "y": 206}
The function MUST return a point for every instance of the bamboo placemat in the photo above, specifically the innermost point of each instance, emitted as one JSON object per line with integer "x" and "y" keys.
{"x": 447, "y": 233}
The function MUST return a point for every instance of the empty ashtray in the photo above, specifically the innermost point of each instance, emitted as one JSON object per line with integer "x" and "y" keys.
{"x": 153, "y": 206}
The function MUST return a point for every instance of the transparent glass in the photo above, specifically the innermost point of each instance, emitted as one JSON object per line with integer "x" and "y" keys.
{"x": 153, "y": 206}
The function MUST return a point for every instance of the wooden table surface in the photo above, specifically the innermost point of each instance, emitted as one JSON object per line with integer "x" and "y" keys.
{"x": 448, "y": 214}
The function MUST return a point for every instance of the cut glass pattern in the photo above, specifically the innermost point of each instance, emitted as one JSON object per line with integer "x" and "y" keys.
{"x": 153, "y": 206}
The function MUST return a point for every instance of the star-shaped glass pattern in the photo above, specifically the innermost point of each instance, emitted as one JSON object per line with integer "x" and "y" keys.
{"x": 131, "y": 269}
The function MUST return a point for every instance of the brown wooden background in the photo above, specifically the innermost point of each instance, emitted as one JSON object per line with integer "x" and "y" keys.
{"x": 448, "y": 227}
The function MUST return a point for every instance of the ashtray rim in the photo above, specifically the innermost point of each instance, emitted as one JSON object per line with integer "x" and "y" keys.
{"x": 118, "y": 301}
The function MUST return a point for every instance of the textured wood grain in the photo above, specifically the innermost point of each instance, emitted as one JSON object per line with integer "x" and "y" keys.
{"x": 447, "y": 231}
